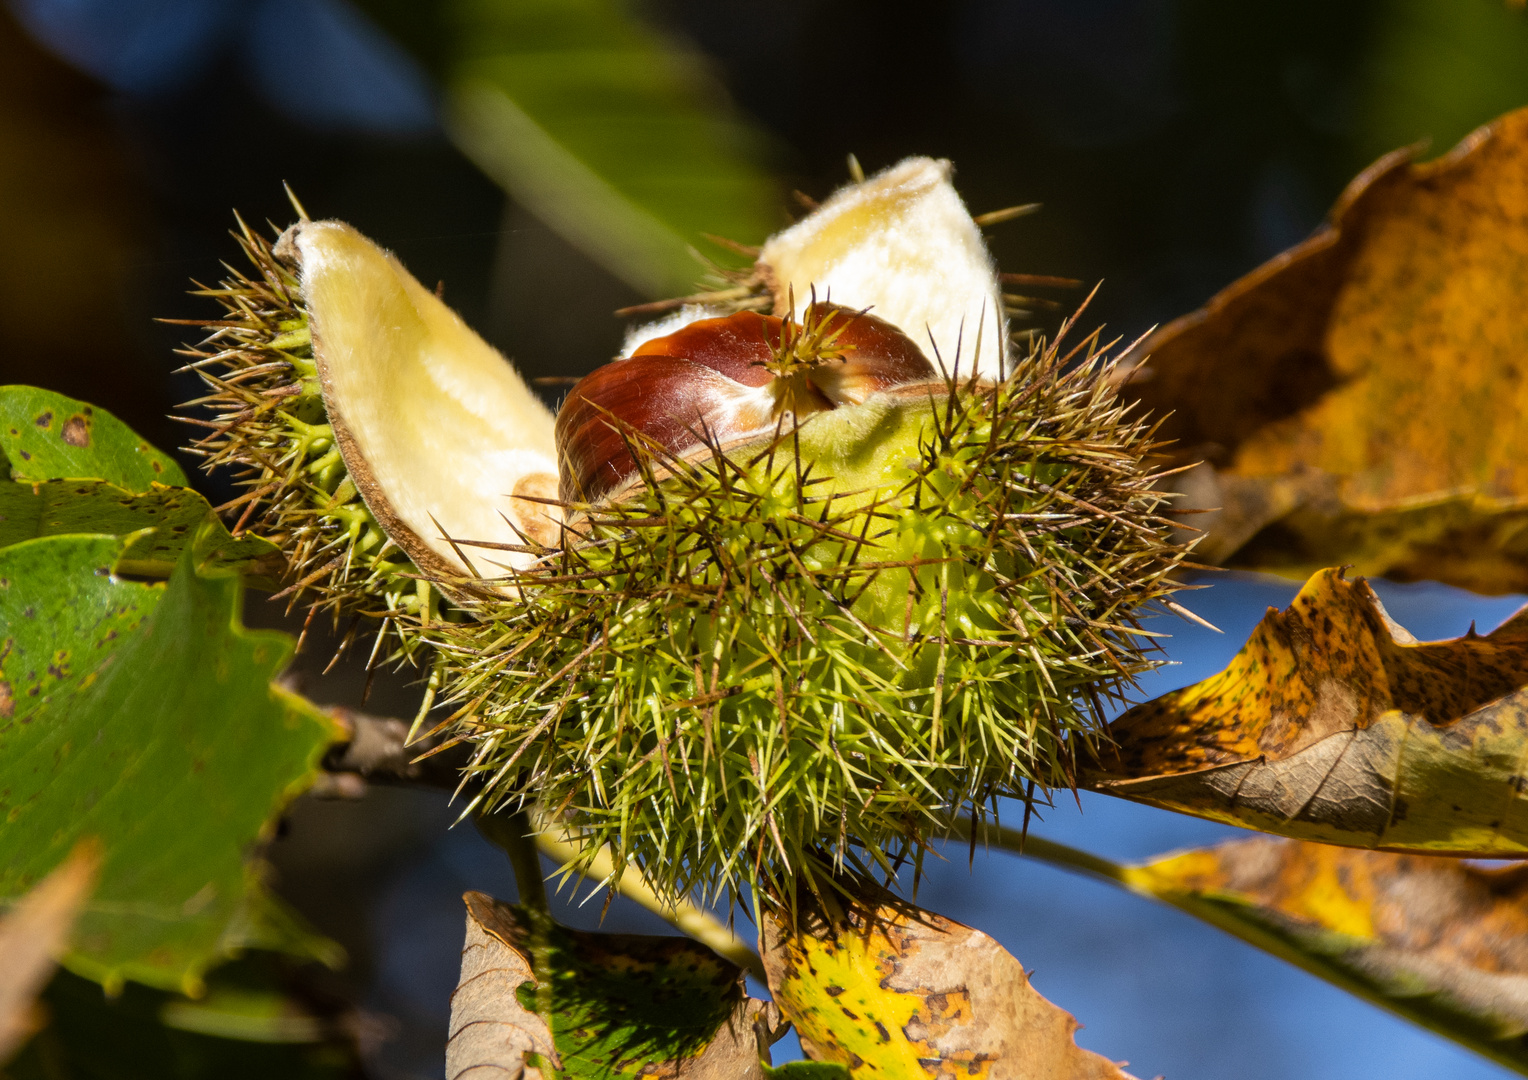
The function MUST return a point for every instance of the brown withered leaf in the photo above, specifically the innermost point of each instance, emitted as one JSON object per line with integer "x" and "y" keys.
{"x": 1333, "y": 724}
{"x": 611, "y": 1005}
{"x": 897, "y": 993}
{"x": 1359, "y": 398}
{"x": 34, "y": 934}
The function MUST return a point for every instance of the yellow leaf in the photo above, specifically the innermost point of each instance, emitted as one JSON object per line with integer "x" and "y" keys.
{"x": 898, "y": 993}
{"x": 1334, "y": 724}
{"x": 1360, "y": 397}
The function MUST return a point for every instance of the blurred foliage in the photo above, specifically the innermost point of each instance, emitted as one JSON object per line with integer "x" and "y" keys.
{"x": 621, "y": 139}
{"x": 144, "y": 1034}
{"x": 70, "y": 214}
{"x": 1435, "y": 70}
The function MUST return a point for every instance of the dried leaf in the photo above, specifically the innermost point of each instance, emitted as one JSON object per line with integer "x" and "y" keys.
{"x": 1360, "y": 396}
{"x": 1334, "y": 724}
{"x": 614, "y": 1005}
{"x": 34, "y": 934}
{"x": 894, "y": 992}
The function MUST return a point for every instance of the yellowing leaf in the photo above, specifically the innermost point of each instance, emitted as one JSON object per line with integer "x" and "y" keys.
{"x": 1360, "y": 397}
{"x": 1334, "y": 724}
{"x": 897, "y": 993}
{"x": 1437, "y": 941}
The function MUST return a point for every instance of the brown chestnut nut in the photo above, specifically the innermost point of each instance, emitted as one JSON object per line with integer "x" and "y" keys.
{"x": 726, "y": 381}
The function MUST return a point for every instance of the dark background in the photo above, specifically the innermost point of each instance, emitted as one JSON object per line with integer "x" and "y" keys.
{"x": 1175, "y": 144}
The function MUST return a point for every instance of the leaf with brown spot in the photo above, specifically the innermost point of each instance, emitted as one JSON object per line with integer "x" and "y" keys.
{"x": 47, "y": 436}
{"x": 34, "y": 934}
{"x": 1334, "y": 724}
{"x": 1360, "y": 396}
{"x": 612, "y": 1005}
{"x": 162, "y": 522}
{"x": 898, "y": 993}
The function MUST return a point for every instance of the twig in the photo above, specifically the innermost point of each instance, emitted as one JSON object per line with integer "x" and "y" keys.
{"x": 563, "y": 847}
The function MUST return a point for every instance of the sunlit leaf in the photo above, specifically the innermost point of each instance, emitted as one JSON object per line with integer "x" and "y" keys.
{"x": 1437, "y": 941}
{"x": 619, "y": 139}
{"x": 891, "y": 991}
{"x": 178, "y": 516}
{"x": 47, "y": 436}
{"x": 1360, "y": 397}
{"x": 1334, "y": 724}
{"x": 143, "y": 715}
{"x": 33, "y": 934}
{"x": 614, "y": 1004}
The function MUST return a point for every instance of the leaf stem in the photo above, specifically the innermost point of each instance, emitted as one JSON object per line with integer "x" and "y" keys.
{"x": 564, "y": 847}
{"x": 512, "y": 833}
{"x": 1070, "y": 858}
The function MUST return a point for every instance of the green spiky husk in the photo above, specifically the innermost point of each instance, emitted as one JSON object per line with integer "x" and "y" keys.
{"x": 268, "y": 425}
{"x": 743, "y": 671}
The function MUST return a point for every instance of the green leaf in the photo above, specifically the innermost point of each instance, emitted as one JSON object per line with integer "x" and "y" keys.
{"x": 178, "y": 517}
{"x": 618, "y": 1004}
{"x": 245, "y": 1028}
{"x": 1436, "y": 941}
{"x": 143, "y": 715}
{"x": 806, "y": 1070}
{"x": 614, "y": 136}
{"x": 47, "y": 436}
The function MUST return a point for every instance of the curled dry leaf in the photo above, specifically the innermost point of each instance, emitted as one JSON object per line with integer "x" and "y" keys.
{"x": 894, "y": 992}
{"x": 1334, "y": 724}
{"x": 1441, "y": 942}
{"x": 613, "y": 1004}
{"x": 34, "y": 934}
{"x": 1359, "y": 398}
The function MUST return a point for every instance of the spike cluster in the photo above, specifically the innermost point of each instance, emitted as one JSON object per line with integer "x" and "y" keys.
{"x": 751, "y": 667}
{"x": 269, "y": 426}
{"x": 776, "y": 597}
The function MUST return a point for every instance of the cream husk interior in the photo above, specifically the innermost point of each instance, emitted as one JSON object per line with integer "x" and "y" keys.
{"x": 902, "y": 244}
{"x": 437, "y": 429}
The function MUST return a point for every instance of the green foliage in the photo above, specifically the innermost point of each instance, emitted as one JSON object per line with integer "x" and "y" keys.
{"x": 806, "y": 1070}
{"x": 47, "y": 436}
{"x": 175, "y": 518}
{"x": 143, "y": 715}
{"x": 145, "y": 1034}
{"x": 616, "y": 137}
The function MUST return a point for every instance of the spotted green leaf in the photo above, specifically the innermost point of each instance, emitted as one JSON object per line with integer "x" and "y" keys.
{"x": 143, "y": 715}
{"x": 47, "y": 436}
{"x": 178, "y": 517}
